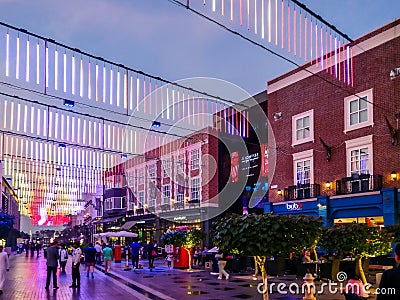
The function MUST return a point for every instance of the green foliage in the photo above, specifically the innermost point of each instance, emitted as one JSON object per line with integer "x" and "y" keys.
{"x": 6, "y": 223}
{"x": 184, "y": 237}
{"x": 266, "y": 234}
{"x": 358, "y": 239}
{"x": 394, "y": 232}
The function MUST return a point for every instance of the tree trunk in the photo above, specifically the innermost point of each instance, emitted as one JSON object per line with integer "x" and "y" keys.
{"x": 261, "y": 263}
{"x": 190, "y": 258}
{"x": 360, "y": 270}
{"x": 315, "y": 254}
{"x": 255, "y": 267}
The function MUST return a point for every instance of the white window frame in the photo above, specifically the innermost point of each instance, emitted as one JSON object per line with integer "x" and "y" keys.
{"x": 358, "y": 143}
{"x": 141, "y": 199}
{"x": 151, "y": 170}
{"x": 302, "y": 156}
{"x": 198, "y": 186}
{"x": 370, "y": 112}
{"x": 166, "y": 197}
{"x": 140, "y": 176}
{"x": 195, "y": 159}
{"x": 310, "y": 138}
{"x": 167, "y": 167}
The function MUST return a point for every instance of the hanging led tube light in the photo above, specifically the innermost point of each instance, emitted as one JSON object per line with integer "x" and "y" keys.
{"x": 17, "y": 60}
{"x": 27, "y": 61}
{"x": 7, "y": 54}
{"x": 56, "y": 69}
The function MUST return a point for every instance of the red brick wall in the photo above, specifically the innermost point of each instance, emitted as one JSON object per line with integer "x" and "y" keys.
{"x": 371, "y": 70}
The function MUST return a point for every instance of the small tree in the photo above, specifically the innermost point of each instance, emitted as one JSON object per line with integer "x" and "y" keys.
{"x": 6, "y": 223}
{"x": 184, "y": 237}
{"x": 265, "y": 235}
{"x": 359, "y": 239}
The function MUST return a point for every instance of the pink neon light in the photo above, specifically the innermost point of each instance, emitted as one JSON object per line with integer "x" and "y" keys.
{"x": 322, "y": 49}
{"x": 248, "y": 14}
{"x": 326, "y": 50}
{"x": 282, "y": 22}
{"x": 241, "y": 13}
{"x": 311, "y": 43}
{"x": 150, "y": 94}
{"x": 288, "y": 27}
{"x": 144, "y": 95}
{"x": 223, "y": 7}
{"x": 188, "y": 108}
{"x": 340, "y": 59}
{"x": 316, "y": 43}
{"x": 255, "y": 16}
{"x": 295, "y": 31}
{"x": 198, "y": 111}
{"x": 231, "y": 10}
{"x": 330, "y": 54}
{"x": 336, "y": 60}
{"x": 301, "y": 34}
{"x": 276, "y": 22}
{"x": 305, "y": 39}
{"x": 202, "y": 112}
{"x": 352, "y": 67}
{"x": 193, "y": 111}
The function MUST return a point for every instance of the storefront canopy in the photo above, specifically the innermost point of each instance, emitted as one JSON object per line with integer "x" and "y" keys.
{"x": 128, "y": 225}
{"x": 115, "y": 234}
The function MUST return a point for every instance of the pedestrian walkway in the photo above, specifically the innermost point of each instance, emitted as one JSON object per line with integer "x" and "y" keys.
{"x": 27, "y": 278}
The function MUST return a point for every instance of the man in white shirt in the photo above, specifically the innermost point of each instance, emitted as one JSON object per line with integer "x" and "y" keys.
{"x": 4, "y": 266}
{"x": 99, "y": 251}
{"x": 76, "y": 262}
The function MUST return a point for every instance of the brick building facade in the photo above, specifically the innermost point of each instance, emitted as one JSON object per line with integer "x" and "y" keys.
{"x": 334, "y": 147}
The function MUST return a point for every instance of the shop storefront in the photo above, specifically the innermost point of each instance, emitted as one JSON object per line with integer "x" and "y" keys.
{"x": 381, "y": 208}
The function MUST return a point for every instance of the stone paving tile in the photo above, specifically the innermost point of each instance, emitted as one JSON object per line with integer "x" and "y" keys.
{"x": 27, "y": 279}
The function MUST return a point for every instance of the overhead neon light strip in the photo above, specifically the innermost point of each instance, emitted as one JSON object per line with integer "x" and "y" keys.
{"x": 56, "y": 70}
{"x": 65, "y": 71}
{"x": 118, "y": 88}
{"x": 111, "y": 86}
{"x": 231, "y": 10}
{"x": 89, "y": 80}
{"x": 104, "y": 84}
{"x": 255, "y": 16}
{"x": 81, "y": 78}
{"x": 17, "y": 61}
{"x": 97, "y": 82}
{"x": 131, "y": 94}
{"x": 137, "y": 94}
{"x": 73, "y": 75}
{"x": 27, "y": 62}
{"x": 7, "y": 55}
{"x": 262, "y": 19}
{"x": 47, "y": 66}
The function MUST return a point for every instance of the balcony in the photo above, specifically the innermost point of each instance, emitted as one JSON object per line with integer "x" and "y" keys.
{"x": 139, "y": 211}
{"x": 179, "y": 205}
{"x": 165, "y": 207}
{"x": 358, "y": 184}
{"x": 194, "y": 203}
{"x": 301, "y": 191}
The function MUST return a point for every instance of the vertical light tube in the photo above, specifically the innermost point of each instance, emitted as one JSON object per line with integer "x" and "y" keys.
{"x": 223, "y": 7}
{"x": 17, "y": 61}
{"x": 173, "y": 104}
{"x": 97, "y": 82}
{"x": 137, "y": 93}
{"x": 276, "y": 22}
{"x": 348, "y": 64}
{"x": 126, "y": 89}
{"x": 352, "y": 66}
{"x": 56, "y": 126}
{"x": 326, "y": 51}
{"x": 213, "y": 5}
{"x": 288, "y": 27}
{"x": 330, "y": 54}
{"x": 300, "y": 34}
{"x": 56, "y": 69}
{"x": 37, "y": 63}
{"x": 32, "y": 118}
{"x": 322, "y": 49}
{"x": 150, "y": 95}
{"x": 294, "y": 31}
{"x": 248, "y": 14}
{"x": 316, "y": 43}
{"x": 118, "y": 88}
{"x": 89, "y": 80}
{"x": 73, "y": 129}
{"x": 340, "y": 59}
{"x": 47, "y": 65}
{"x": 263, "y": 19}
{"x": 282, "y": 23}
{"x": 7, "y": 54}
{"x": 241, "y": 12}
{"x": 131, "y": 94}
{"x": 255, "y": 16}
{"x": 311, "y": 41}
{"x": 65, "y": 71}
{"x": 162, "y": 102}
{"x": 104, "y": 84}
{"x": 62, "y": 127}
{"x": 231, "y": 10}
{"x": 73, "y": 75}
{"x": 336, "y": 60}
{"x": 81, "y": 78}
{"x": 111, "y": 85}
{"x": 44, "y": 122}
{"x": 27, "y": 62}
{"x": 38, "y": 127}
{"x": 305, "y": 39}
{"x": 18, "y": 116}
{"x": 144, "y": 95}
{"x": 25, "y": 117}
{"x": 167, "y": 104}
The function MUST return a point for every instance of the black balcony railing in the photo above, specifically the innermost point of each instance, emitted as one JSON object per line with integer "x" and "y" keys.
{"x": 139, "y": 211}
{"x": 165, "y": 207}
{"x": 301, "y": 191}
{"x": 179, "y": 205}
{"x": 358, "y": 184}
{"x": 194, "y": 203}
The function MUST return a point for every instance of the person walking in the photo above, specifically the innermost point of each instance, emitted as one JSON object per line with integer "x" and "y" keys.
{"x": 136, "y": 247}
{"x": 90, "y": 259}
{"x": 221, "y": 265}
{"x": 52, "y": 264}
{"x": 108, "y": 256}
{"x": 76, "y": 262}
{"x": 151, "y": 253}
{"x": 4, "y": 266}
{"x": 389, "y": 288}
{"x": 99, "y": 252}
{"x": 63, "y": 257}
{"x": 169, "y": 258}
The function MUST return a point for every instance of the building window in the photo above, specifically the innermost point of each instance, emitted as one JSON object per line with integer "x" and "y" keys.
{"x": 194, "y": 159}
{"x": 303, "y": 128}
{"x": 180, "y": 166}
{"x": 152, "y": 172}
{"x": 166, "y": 165}
{"x": 141, "y": 200}
{"x": 303, "y": 171}
{"x": 358, "y": 111}
{"x": 166, "y": 194}
{"x": 359, "y": 155}
{"x": 195, "y": 190}
{"x": 140, "y": 176}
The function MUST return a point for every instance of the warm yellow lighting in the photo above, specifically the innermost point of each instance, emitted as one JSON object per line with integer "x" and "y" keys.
{"x": 328, "y": 185}
{"x": 279, "y": 192}
{"x": 393, "y": 175}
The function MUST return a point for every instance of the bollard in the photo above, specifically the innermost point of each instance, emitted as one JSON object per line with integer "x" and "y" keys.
{"x": 308, "y": 286}
{"x": 127, "y": 261}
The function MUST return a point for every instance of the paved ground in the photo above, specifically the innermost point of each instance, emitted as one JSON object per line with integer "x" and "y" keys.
{"x": 27, "y": 276}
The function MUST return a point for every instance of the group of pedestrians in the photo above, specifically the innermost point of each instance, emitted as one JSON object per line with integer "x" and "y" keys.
{"x": 137, "y": 250}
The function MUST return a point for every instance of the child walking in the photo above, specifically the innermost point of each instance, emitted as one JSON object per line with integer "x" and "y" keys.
{"x": 169, "y": 259}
